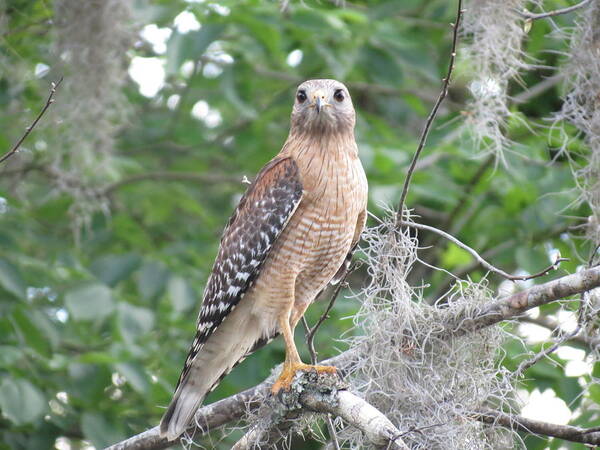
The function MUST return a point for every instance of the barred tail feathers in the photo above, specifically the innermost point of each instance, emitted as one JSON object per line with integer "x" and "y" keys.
{"x": 240, "y": 334}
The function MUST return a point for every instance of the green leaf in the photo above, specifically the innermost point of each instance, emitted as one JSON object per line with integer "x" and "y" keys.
{"x": 135, "y": 375}
{"x": 20, "y": 401}
{"x": 9, "y": 355}
{"x": 181, "y": 294}
{"x": 134, "y": 321}
{"x": 11, "y": 280}
{"x": 191, "y": 45}
{"x": 99, "y": 431}
{"x": 114, "y": 268}
{"x": 90, "y": 302}
{"x": 29, "y": 332}
{"x": 151, "y": 280}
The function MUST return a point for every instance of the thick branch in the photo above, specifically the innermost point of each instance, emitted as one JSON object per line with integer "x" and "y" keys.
{"x": 520, "y": 423}
{"x": 513, "y": 306}
{"x": 360, "y": 414}
{"x": 320, "y": 393}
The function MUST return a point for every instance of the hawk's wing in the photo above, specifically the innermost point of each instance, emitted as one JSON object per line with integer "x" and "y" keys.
{"x": 257, "y": 222}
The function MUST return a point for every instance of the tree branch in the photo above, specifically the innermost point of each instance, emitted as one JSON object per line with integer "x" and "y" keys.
{"x": 520, "y": 423}
{"x": 482, "y": 261}
{"x": 556, "y": 330}
{"x": 30, "y": 128}
{"x": 324, "y": 394}
{"x": 557, "y": 12}
{"x": 513, "y": 306}
{"x": 432, "y": 114}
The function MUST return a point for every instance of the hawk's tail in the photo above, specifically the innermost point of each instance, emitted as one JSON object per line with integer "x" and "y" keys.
{"x": 185, "y": 402}
{"x": 232, "y": 341}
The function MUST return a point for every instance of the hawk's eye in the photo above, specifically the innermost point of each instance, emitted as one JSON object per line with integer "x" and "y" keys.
{"x": 301, "y": 96}
{"x": 339, "y": 95}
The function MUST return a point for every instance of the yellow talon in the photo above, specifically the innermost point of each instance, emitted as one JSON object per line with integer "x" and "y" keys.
{"x": 289, "y": 372}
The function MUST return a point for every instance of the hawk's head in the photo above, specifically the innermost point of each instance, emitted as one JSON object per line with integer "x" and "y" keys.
{"x": 323, "y": 106}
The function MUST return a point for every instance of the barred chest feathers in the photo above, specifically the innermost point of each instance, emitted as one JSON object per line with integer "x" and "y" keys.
{"x": 319, "y": 235}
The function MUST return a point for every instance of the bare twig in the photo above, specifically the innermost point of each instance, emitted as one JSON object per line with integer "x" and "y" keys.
{"x": 520, "y": 423}
{"x": 482, "y": 261}
{"x": 432, "y": 114}
{"x": 28, "y": 130}
{"x": 557, "y": 12}
{"x": 311, "y": 332}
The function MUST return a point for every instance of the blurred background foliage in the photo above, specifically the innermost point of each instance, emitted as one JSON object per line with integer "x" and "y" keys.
{"x": 104, "y": 252}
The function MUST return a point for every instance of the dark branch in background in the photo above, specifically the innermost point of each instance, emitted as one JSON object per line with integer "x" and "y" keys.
{"x": 28, "y": 130}
{"x": 234, "y": 408}
{"x": 557, "y": 12}
{"x": 556, "y": 330}
{"x": 520, "y": 423}
{"x": 537, "y": 89}
{"x": 172, "y": 176}
{"x": 482, "y": 261}
{"x": 432, "y": 114}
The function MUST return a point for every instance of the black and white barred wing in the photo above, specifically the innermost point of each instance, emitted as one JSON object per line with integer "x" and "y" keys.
{"x": 259, "y": 219}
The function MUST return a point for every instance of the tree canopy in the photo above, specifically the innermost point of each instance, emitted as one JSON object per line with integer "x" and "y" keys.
{"x": 111, "y": 210}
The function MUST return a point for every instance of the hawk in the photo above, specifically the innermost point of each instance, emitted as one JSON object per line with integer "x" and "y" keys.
{"x": 291, "y": 234}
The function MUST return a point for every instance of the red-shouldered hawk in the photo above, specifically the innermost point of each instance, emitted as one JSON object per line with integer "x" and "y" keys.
{"x": 288, "y": 237}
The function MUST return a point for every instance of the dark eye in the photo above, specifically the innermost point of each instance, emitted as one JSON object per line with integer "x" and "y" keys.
{"x": 301, "y": 96}
{"x": 339, "y": 95}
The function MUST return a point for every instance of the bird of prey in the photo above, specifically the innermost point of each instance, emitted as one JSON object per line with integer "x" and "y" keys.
{"x": 291, "y": 234}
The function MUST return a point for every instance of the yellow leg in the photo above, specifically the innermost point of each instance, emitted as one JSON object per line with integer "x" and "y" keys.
{"x": 293, "y": 363}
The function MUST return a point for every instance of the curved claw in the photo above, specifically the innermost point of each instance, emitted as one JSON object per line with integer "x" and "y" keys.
{"x": 289, "y": 372}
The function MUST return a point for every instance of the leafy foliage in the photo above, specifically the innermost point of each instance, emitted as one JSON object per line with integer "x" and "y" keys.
{"x": 98, "y": 304}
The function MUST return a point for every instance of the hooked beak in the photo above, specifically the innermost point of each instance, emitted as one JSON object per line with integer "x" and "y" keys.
{"x": 319, "y": 102}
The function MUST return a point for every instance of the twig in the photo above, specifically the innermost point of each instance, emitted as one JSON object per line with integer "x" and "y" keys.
{"x": 557, "y": 12}
{"x": 28, "y": 130}
{"x": 432, "y": 114}
{"x": 520, "y": 423}
{"x": 526, "y": 364}
{"x": 311, "y": 332}
{"x": 482, "y": 261}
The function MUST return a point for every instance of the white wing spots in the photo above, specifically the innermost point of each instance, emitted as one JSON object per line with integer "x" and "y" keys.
{"x": 233, "y": 290}
{"x": 242, "y": 276}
